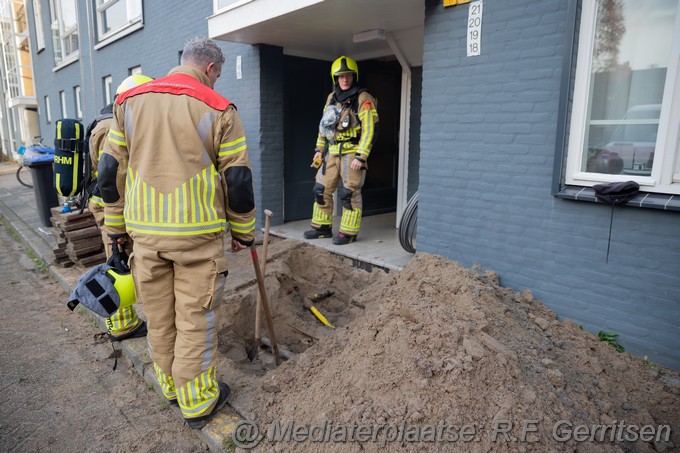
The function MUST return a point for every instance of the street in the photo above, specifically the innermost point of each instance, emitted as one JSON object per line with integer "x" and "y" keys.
{"x": 60, "y": 392}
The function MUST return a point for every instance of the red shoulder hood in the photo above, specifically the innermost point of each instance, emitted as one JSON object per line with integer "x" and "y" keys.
{"x": 179, "y": 84}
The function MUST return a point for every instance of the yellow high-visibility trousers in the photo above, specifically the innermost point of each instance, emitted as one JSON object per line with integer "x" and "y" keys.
{"x": 337, "y": 170}
{"x": 180, "y": 291}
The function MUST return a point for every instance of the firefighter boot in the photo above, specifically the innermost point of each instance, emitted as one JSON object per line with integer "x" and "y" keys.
{"x": 343, "y": 239}
{"x": 200, "y": 422}
{"x": 137, "y": 332}
{"x": 324, "y": 231}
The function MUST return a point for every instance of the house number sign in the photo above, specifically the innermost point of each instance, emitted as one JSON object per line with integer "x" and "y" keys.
{"x": 474, "y": 29}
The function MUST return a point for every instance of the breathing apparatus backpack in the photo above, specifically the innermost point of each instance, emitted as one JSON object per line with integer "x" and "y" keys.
{"x": 105, "y": 288}
{"x": 72, "y": 163}
{"x": 69, "y": 157}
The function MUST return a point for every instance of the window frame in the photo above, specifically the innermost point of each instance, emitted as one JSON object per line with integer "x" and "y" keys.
{"x": 107, "y": 85}
{"x": 48, "y": 110}
{"x": 132, "y": 24}
{"x": 62, "y": 59}
{"x": 37, "y": 21}
{"x": 78, "y": 102}
{"x": 62, "y": 101}
{"x": 665, "y": 176}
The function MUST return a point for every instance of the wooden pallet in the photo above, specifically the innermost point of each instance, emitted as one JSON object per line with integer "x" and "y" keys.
{"x": 78, "y": 238}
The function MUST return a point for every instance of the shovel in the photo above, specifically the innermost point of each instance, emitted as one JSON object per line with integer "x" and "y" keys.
{"x": 265, "y": 303}
{"x": 255, "y": 348}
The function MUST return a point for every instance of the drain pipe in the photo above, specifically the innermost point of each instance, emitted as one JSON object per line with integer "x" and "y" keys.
{"x": 404, "y": 120}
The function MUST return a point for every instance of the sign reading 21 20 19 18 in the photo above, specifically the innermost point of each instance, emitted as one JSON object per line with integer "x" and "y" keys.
{"x": 474, "y": 29}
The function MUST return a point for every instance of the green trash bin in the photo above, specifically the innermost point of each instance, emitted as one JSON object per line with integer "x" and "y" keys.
{"x": 39, "y": 160}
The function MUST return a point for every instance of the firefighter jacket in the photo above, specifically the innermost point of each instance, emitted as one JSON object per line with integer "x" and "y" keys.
{"x": 98, "y": 137}
{"x": 175, "y": 168}
{"x": 356, "y": 129}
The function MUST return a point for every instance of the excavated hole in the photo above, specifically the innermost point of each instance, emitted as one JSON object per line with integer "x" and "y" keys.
{"x": 289, "y": 278}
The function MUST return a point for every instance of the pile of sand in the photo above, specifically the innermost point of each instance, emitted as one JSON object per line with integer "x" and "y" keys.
{"x": 444, "y": 347}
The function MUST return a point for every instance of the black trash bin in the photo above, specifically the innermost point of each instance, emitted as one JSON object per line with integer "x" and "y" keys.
{"x": 39, "y": 160}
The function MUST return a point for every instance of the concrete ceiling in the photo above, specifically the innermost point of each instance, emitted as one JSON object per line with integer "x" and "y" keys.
{"x": 324, "y": 29}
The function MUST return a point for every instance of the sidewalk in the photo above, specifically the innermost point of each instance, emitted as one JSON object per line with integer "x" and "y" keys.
{"x": 18, "y": 208}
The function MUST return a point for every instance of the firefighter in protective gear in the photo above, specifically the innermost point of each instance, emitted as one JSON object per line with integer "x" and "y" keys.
{"x": 347, "y": 131}
{"x": 124, "y": 323}
{"x": 174, "y": 172}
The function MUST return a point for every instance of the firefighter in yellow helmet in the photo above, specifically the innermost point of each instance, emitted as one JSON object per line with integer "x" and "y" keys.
{"x": 174, "y": 172}
{"x": 124, "y": 323}
{"x": 347, "y": 131}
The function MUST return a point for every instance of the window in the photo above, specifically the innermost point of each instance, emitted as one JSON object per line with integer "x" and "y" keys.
{"x": 37, "y": 19}
{"x": 79, "y": 108}
{"x": 108, "y": 94}
{"x": 114, "y": 16}
{"x": 62, "y": 98}
{"x": 48, "y": 112}
{"x": 64, "y": 30}
{"x": 135, "y": 70}
{"x": 626, "y": 108}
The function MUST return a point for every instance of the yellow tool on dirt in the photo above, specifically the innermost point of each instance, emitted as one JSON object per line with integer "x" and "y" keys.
{"x": 311, "y": 299}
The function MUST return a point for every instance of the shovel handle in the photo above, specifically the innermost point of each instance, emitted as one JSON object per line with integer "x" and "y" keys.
{"x": 265, "y": 303}
{"x": 258, "y": 304}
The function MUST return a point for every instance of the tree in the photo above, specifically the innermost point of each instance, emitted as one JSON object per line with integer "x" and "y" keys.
{"x": 608, "y": 34}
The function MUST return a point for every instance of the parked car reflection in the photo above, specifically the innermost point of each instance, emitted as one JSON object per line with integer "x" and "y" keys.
{"x": 630, "y": 150}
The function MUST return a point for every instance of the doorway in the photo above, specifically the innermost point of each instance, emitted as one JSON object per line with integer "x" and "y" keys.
{"x": 307, "y": 83}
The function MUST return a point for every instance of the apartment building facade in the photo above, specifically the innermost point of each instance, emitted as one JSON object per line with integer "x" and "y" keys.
{"x": 502, "y": 115}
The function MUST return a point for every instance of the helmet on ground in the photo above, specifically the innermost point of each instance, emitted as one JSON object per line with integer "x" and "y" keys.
{"x": 344, "y": 65}
{"x": 131, "y": 82}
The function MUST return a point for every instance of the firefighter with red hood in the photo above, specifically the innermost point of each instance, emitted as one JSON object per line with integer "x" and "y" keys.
{"x": 174, "y": 172}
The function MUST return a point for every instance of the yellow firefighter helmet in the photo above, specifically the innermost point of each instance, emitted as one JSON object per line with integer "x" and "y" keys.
{"x": 124, "y": 286}
{"x": 131, "y": 82}
{"x": 344, "y": 65}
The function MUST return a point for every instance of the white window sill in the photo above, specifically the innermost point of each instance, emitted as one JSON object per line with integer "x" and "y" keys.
{"x": 120, "y": 33}
{"x": 75, "y": 56}
{"x": 664, "y": 201}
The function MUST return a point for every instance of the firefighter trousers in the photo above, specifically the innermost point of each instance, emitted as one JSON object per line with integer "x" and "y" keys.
{"x": 125, "y": 319}
{"x": 180, "y": 292}
{"x": 328, "y": 178}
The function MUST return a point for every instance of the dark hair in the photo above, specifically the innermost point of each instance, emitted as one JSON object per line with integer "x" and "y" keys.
{"x": 200, "y": 51}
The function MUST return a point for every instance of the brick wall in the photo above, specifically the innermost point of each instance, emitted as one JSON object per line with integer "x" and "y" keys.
{"x": 270, "y": 172}
{"x": 489, "y": 126}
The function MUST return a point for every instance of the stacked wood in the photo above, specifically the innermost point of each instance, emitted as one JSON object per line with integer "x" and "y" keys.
{"x": 78, "y": 238}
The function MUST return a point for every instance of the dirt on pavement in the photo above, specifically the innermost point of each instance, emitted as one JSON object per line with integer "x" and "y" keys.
{"x": 59, "y": 391}
{"x": 439, "y": 345}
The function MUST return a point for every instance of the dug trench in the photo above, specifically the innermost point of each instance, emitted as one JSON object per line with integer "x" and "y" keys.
{"x": 295, "y": 272}
{"x": 442, "y": 352}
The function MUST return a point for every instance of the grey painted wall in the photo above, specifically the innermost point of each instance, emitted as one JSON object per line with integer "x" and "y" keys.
{"x": 489, "y": 126}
